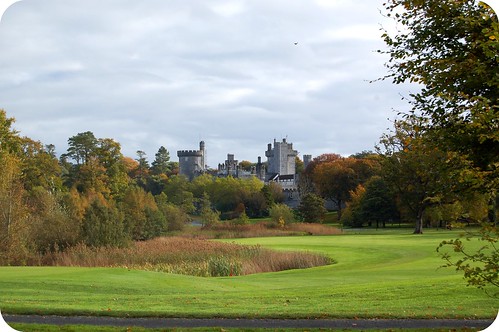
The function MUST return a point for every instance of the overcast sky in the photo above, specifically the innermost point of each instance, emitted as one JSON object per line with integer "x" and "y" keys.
{"x": 234, "y": 73}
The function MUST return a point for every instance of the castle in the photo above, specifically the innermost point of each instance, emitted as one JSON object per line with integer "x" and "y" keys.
{"x": 280, "y": 167}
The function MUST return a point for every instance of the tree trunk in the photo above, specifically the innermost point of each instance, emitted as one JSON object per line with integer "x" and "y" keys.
{"x": 339, "y": 208}
{"x": 419, "y": 222}
{"x": 492, "y": 207}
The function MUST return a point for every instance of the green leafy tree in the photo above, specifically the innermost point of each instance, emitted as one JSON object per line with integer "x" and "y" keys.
{"x": 178, "y": 190}
{"x": 311, "y": 208}
{"x": 82, "y": 147}
{"x": 103, "y": 224}
{"x": 161, "y": 163}
{"x": 417, "y": 171}
{"x": 112, "y": 160}
{"x": 450, "y": 48}
{"x": 378, "y": 203}
{"x": 209, "y": 217}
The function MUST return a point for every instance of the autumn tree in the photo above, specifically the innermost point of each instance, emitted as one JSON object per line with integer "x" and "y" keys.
{"x": 335, "y": 178}
{"x": 51, "y": 221}
{"x": 14, "y": 227}
{"x": 40, "y": 167}
{"x": 142, "y": 219}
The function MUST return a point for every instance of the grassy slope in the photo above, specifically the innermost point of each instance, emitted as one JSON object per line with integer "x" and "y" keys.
{"x": 385, "y": 275}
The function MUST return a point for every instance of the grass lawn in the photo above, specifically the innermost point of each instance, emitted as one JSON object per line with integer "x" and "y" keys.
{"x": 383, "y": 275}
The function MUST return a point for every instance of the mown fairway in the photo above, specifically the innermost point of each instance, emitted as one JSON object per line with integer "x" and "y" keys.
{"x": 389, "y": 274}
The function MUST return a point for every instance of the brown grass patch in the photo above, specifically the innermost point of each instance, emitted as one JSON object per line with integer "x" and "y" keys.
{"x": 188, "y": 256}
{"x": 262, "y": 229}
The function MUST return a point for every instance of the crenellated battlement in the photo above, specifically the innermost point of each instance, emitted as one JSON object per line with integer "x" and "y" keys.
{"x": 189, "y": 153}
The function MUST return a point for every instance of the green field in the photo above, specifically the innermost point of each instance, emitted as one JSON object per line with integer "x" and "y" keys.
{"x": 388, "y": 274}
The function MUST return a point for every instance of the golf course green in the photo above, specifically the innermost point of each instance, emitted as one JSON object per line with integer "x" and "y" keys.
{"x": 384, "y": 274}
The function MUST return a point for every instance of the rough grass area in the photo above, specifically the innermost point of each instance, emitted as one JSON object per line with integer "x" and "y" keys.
{"x": 261, "y": 229}
{"x": 195, "y": 257}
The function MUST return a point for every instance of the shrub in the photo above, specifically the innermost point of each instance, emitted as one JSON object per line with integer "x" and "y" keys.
{"x": 281, "y": 215}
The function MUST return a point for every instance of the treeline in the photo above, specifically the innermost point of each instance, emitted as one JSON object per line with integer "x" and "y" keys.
{"x": 95, "y": 195}
{"x": 408, "y": 180}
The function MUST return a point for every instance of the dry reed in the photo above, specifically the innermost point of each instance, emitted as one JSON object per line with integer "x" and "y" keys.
{"x": 188, "y": 256}
{"x": 261, "y": 229}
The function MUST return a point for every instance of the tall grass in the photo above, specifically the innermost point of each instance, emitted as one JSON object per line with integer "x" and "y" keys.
{"x": 262, "y": 229}
{"x": 196, "y": 257}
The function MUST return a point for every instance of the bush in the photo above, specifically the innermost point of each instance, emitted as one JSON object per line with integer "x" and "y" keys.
{"x": 281, "y": 215}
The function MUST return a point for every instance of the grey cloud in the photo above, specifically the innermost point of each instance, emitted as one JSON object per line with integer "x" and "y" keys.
{"x": 151, "y": 73}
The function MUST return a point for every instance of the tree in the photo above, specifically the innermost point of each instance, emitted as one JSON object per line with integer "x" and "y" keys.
{"x": 178, "y": 191}
{"x": 336, "y": 178}
{"x": 40, "y": 168}
{"x": 377, "y": 204}
{"x": 311, "y": 208}
{"x": 418, "y": 172}
{"x": 209, "y": 217}
{"x": 451, "y": 47}
{"x": 141, "y": 222}
{"x": 9, "y": 138}
{"x": 142, "y": 171}
{"x": 14, "y": 228}
{"x": 81, "y": 147}
{"x": 103, "y": 224}
{"x": 352, "y": 216}
{"x": 112, "y": 160}
{"x": 161, "y": 163}
{"x": 53, "y": 227}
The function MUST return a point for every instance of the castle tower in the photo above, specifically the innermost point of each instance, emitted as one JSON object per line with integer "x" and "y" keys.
{"x": 307, "y": 158}
{"x": 192, "y": 162}
{"x": 281, "y": 159}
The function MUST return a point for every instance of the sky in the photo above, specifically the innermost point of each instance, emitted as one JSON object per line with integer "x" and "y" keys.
{"x": 236, "y": 74}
